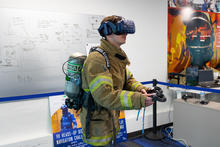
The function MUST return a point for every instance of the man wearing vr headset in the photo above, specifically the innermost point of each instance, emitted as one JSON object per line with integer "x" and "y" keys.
{"x": 111, "y": 88}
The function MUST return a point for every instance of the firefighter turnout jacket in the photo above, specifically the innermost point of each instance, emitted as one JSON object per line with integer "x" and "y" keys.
{"x": 114, "y": 89}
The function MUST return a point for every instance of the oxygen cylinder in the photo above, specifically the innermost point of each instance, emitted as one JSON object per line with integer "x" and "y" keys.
{"x": 73, "y": 80}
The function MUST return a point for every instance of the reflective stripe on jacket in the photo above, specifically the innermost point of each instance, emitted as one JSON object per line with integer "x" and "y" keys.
{"x": 111, "y": 89}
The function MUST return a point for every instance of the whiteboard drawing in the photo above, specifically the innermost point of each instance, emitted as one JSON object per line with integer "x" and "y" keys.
{"x": 35, "y": 44}
{"x": 95, "y": 21}
{"x": 8, "y": 56}
{"x": 92, "y": 34}
{"x": 16, "y": 28}
{"x": 28, "y": 45}
{"x": 72, "y": 34}
{"x": 43, "y": 37}
{"x": 24, "y": 78}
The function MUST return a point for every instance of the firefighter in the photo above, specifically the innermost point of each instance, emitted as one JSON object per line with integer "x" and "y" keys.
{"x": 110, "y": 89}
{"x": 68, "y": 120}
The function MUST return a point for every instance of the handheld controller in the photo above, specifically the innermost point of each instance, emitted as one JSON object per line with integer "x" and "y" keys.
{"x": 159, "y": 96}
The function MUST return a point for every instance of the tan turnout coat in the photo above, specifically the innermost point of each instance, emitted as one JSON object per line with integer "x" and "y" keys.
{"x": 109, "y": 89}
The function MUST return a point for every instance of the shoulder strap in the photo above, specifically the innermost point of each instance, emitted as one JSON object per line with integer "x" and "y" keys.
{"x": 103, "y": 53}
{"x": 90, "y": 98}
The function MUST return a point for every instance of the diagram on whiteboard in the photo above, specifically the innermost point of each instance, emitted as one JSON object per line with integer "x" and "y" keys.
{"x": 34, "y": 45}
{"x": 91, "y": 31}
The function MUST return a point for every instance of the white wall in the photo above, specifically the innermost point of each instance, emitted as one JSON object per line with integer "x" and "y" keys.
{"x": 147, "y": 50}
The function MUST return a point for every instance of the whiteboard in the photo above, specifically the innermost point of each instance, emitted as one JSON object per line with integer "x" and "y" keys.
{"x": 34, "y": 45}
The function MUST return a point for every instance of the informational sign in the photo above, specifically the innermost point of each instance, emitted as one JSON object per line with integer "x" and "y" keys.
{"x": 66, "y": 125}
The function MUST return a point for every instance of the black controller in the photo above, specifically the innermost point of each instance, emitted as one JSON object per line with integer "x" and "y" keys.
{"x": 159, "y": 96}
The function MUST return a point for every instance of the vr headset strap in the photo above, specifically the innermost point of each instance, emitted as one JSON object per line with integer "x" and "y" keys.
{"x": 106, "y": 26}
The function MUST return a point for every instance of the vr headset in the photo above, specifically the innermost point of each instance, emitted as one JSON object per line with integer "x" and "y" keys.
{"x": 121, "y": 27}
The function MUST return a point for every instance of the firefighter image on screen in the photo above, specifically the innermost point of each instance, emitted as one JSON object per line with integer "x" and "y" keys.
{"x": 68, "y": 120}
{"x": 191, "y": 46}
{"x": 199, "y": 41}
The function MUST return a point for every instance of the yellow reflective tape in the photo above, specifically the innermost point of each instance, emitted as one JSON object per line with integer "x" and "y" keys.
{"x": 139, "y": 84}
{"x": 98, "y": 81}
{"x": 129, "y": 99}
{"x": 86, "y": 90}
{"x": 99, "y": 77}
{"x": 101, "y": 140}
{"x": 98, "y": 141}
{"x": 128, "y": 73}
{"x": 135, "y": 85}
{"x": 99, "y": 84}
{"x": 122, "y": 98}
{"x": 125, "y": 98}
{"x": 82, "y": 67}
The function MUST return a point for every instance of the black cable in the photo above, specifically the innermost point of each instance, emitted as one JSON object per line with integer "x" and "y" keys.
{"x": 63, "y": 66}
